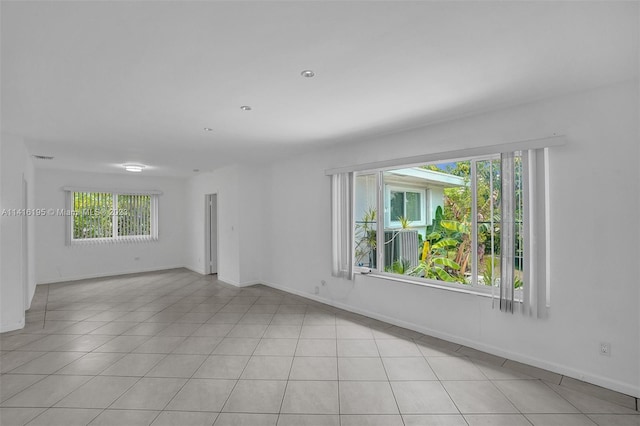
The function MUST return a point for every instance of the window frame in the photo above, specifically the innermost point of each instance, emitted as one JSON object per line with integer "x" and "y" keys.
{"x": 383, "y": 195}
{"x": 395, "y": 224}
{"x": 114, "y": 238}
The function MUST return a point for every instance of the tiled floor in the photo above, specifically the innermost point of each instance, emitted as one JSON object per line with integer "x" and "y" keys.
{"x": 176, "y": 348}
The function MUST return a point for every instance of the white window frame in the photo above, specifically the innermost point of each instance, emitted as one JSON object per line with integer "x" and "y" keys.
{"x": 389, "y": 188}
{"x": 115, "y": 238}
{"x": 535, "y": 301}
{"x": 473, "y": 287}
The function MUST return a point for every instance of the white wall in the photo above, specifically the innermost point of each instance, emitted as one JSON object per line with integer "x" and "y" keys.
{"x": 58, "y": 262}
{"x": 594, "y": 219}
{"x": 16, "y": 290}
{"x": 240, "y": 202}
{"x": 251, "y": 202}
{"x": 223, "y": 182}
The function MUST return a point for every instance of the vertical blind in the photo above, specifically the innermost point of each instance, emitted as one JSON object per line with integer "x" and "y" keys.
{"x": 101, "y": 217}
{"x": 342, "y": 192}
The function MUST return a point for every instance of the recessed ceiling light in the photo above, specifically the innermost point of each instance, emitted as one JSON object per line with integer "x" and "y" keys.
{"x": 208, "y": 129}
{"x": 307, "y": 73}
{"x": 42, "y": 157}
{"x": 245, "y": 108}
{"x": 135, "y": 168}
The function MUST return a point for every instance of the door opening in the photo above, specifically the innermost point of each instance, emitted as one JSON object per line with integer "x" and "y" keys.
{"x": 211, "y": 234}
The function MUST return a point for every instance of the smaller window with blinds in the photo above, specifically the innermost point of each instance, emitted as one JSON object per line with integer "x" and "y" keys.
{"x": 102, "y": 217}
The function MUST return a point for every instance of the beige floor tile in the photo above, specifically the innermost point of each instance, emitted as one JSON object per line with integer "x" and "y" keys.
{"x": 455, "y": 368}
{"x": 361, "y": 369}
{"x": 149, "y": 394}
{"x": 256, "y": 396}
{"x": 282, "y": 332}
{"x": 423, "y": 398}
{"x": 244, "y": 419}
{"x": 122, "y": 344}
{"x": 197, "y": 345}
{"x": 124, "y": 417}
{"x": 184, "y": 418}
{"x": 408, "y": 368}
{"x": 19, "y": 416}
{"x": 371, "y": 420}
{"x": 397, "y": 347}
{"x": 202, "y": 395}
{"x": 560, "y": 420}
{"x": 438, "y": 420}
{"x": 236, "y": 346}
{"x": 318, "y": 332}
{"x": 478, "y": 397}
{"x": 357, "y": 348}
{"x": 309, "y": 420}
{"x": 12, "y": 360}
{"x": 497, "y": 420}
{"x": 276, "y": 347}
{"x": 616, "y": 419}
{"x": 99, "y": 392}
{"x": 48, "y": 363}
{"x": 267, "y": 367}
{"x": 316, "y": 347}
{"x": 533, "y": 396}
{"x": 46, "y": 392}
{"x": 311, "y": 397}
{"x": 11, "y": 384}
{"x": 177, "y": 366}
{"x": 314, "y": 368}
{"x": 159, "y": 345}
{"x": 353, "y": 332}
{"x": 133, "y": 365}
{"x": 65, "y": 416}
{"x": 222, "y": 367}
{"x": 191, "y": 346}
{"x": 367, "y": 398}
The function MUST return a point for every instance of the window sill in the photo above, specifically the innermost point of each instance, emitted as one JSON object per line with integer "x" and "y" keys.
{"x": 121, "y": 240}
{"x": 458, "y": 288}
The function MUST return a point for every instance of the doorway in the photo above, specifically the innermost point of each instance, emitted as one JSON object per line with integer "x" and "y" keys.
{"x": 211, "y": 234}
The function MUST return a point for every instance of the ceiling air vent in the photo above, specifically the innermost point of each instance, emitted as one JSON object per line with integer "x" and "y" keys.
{"x": 43, "y": 157}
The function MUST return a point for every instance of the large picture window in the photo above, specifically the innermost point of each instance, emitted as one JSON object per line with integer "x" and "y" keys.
{"x": 476, "y": 223}
{"x": 111, "y": 216}
{"x": 461, "y": 242}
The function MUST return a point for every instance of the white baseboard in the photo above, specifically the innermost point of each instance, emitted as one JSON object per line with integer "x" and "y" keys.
{"x": 195, "y": 269}
{"x": 250, "y": 283}
{"x": 605, "y": 382}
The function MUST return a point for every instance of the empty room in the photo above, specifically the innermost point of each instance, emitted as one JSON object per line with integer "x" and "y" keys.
{"x": 320, "y": 213}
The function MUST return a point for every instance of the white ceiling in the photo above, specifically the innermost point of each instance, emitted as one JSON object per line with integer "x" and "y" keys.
{"x": 98, "y": 84}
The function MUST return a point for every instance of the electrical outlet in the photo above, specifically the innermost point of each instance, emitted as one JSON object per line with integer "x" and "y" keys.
{"x": 316, "y": 290}
{"x": 605, "y": 349}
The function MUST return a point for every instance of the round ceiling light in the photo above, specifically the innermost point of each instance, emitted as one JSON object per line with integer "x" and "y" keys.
{"x": 245, "y": 108}
{"x": 307, "y": 73}
{"x": 208, "y": 129}
{"x": 134, "y": 168}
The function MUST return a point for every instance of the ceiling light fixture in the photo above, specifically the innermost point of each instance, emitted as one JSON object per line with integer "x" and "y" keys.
{"x": 134, "y": 168}
{"x": 245, "y": 108}
{"x": 208, "y": 129}
{"x": 307, "y": 73}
